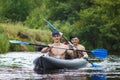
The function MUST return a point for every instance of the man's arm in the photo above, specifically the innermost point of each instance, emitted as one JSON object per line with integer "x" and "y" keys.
{"x": 70, "y": 52}
{"x": 46, "y": 49}
{"x": 84, "y": 53}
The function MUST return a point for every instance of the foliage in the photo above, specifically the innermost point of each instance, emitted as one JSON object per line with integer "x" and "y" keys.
{"x": 95, "y": 22}
{"x": 4, "y": 44}
{"x": 11, "y": 31}
{"x": 14, "y": 10}
{"x": 99, "y": 25}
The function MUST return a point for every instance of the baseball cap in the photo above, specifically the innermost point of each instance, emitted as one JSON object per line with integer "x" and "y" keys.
{"x": 55, "y": 32}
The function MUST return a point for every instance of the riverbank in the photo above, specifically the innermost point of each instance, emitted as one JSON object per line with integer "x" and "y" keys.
{"x": 17, "y": 31}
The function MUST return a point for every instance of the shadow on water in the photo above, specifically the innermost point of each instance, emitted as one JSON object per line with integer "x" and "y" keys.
{"x": 64, "y": 74}
{"x": 81, "y": 74}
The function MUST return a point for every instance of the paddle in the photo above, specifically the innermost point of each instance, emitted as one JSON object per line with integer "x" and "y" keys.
{"x": 54, "y": 29}
{"x": 99, "y": 53}
{"x": 93, "y": 65}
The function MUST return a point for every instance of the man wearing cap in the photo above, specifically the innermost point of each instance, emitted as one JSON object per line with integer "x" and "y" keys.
{"x": 55, "y": 52}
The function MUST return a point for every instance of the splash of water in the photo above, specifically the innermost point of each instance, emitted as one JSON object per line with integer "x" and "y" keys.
{"x": 18, "y": 59}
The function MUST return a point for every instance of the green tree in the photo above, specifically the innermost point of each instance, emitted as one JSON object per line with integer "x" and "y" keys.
{"x": 99, "y": 25}
{"x": 15, "y": 10}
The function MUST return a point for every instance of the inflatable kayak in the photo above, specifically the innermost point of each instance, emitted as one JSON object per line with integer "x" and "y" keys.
{"x": 48, "y": 63}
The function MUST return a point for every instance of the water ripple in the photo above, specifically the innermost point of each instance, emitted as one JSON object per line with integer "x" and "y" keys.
{"x": 19, "y": 65}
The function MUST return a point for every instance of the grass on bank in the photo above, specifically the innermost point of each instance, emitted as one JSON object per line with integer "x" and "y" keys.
{"x": 9, "y": 31}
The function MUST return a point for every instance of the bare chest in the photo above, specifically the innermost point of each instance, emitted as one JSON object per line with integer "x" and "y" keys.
{"x": 58, "y": 52}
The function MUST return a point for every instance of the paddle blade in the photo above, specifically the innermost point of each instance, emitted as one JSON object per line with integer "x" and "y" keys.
{"x": 18, "y": 42}
{"x": 95, "y": 65}
{"x": 100, "y": 53}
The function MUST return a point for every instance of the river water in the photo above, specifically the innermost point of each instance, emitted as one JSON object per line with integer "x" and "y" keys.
{"x": 19, "y": 66}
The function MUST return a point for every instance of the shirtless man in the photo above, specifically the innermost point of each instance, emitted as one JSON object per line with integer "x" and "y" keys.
{"x": 75, "y": 41}
{"x": 55, "y": 52}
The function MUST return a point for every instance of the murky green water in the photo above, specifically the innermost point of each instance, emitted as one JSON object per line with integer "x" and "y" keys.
{"x": 19, "y": 66}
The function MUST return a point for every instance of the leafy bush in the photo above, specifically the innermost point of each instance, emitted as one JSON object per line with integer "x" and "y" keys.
{"x": 4, "y": 44}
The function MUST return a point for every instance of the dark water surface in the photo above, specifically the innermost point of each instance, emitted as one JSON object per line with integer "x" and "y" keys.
{"x": 19, "y": 66}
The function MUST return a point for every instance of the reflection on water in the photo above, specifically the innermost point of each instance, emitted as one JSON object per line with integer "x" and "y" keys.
{"x": 99, "y": 75}
{"x": 18, "y": 65}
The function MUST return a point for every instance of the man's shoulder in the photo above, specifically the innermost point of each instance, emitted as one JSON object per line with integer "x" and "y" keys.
{"x": 80, "y": 45}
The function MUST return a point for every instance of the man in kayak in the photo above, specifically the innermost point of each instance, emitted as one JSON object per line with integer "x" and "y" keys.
{"x": 77, "y": 47}
{"x": 56, "y": 52}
